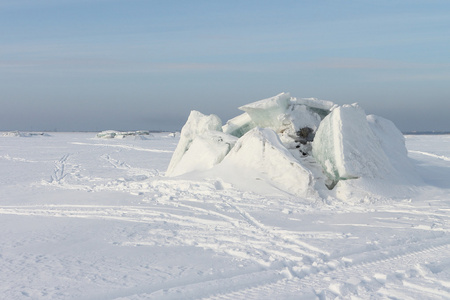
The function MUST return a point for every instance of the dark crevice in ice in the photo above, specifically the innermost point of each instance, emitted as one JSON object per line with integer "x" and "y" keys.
{"x": 331, "y": 184}
{"x": 304, "y": 138}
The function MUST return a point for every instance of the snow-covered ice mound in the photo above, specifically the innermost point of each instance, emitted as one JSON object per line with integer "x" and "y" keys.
{"x": 13, "y": 134}
{"x": 306, "y": 147}
{"x": 362, "y": 155}
{"x": 112, "y": 134}
{"x": 23, "y": 134}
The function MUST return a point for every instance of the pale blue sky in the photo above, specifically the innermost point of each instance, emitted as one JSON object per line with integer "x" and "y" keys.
{"x": 134, "y": 64}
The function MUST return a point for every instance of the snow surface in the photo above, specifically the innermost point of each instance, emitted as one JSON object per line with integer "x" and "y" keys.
{"x": 89, "y": 218}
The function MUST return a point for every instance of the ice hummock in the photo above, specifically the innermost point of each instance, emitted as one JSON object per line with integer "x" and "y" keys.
{"x": 347, "y": 148}
{"x": 303, "y": 146}
{"x": 205, "y": 151}
{"x": 261, "y": 150}
{"x": 23, "y": 134}
{"x": 113, "y": 134}
{"x": 268, "y": 113}
{"x": 196, "y": 125}
{"x": 240, "y": 125}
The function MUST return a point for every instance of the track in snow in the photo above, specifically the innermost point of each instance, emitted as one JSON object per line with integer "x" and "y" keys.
{"x": 431, "y": 155}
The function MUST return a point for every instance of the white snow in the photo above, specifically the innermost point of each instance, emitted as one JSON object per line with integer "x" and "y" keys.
{"x": 89, "y": 218}
{"x": 301, "y": 116}
{"x": 392, "y": 142}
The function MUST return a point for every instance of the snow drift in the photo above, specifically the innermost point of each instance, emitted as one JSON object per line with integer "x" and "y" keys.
{"x": 303, "y": 146}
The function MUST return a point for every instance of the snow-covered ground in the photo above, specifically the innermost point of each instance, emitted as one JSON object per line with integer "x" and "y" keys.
{"x": 89, "y": 218}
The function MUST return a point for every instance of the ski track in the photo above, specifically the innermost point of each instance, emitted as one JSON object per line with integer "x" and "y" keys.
{"x": 194, "y": 226}
{"x": 360, "y": 272}
{"x": 363, "y": 277}
{"x": 59, "y": 171}
{"x": 115, "y": 162}
{"x": 430, "y": 154}
{"x": 73, "y": 176}
{"x": 224, "y": 228}
{"x": 128, "y": 147}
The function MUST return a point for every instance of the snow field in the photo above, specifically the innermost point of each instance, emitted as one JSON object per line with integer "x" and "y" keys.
{"x": 88, "y": 218}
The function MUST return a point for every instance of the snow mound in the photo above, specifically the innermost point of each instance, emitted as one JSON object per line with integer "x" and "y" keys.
{"x": 302, "y": 146}
{"x": 392, "y": 142}
{"x": 174, "y": 134}
{"x": 112, "y": 134}
{"x": 13, "y": 134}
